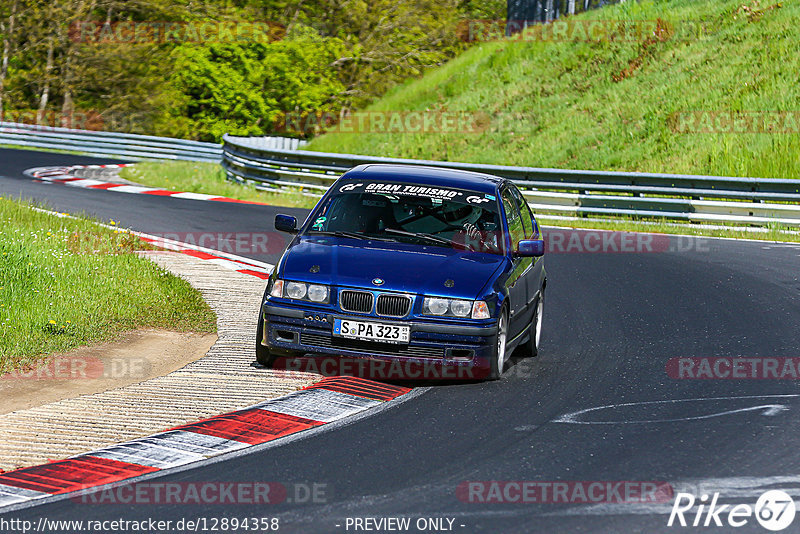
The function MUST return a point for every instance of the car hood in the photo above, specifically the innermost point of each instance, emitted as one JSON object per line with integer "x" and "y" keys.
{"x": 402, "y": 266}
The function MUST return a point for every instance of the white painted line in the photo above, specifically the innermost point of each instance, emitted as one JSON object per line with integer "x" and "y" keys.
{"x": 318, "y": 405}
{"x": 769, "y": 410}
{"x": 85, "y": 183}
{"x": 228, "y": 264}
{"x": 131, "y": 189}
{"x": 194, "y": 196}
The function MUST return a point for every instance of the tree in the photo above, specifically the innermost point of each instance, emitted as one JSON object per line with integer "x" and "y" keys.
{"x": 7, "y": 27}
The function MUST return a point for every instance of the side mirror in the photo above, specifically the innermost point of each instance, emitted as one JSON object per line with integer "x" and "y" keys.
{"x": 530, "y": 248}
{"x": 286, "y": 223}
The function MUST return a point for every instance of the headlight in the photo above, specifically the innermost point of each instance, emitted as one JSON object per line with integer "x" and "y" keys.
{"x": 435, "y": 306}
{"x": 300, "y": 291}
{"x": 477, "y": 309}
{"x": 460, "y": 308}
{"x": 317, "y": 293}
{"x": 295, "y": 290}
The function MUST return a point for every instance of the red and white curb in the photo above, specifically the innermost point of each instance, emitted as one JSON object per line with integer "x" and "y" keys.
{"x": 62, "y": 175}
{"x": 324, "y": 402}
{"x": 223, "y": 259}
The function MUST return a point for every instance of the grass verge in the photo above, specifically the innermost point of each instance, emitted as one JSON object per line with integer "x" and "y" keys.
{"x": 209, "y": 179}
{"x": 65, "y": 283}
{"x": 618, "y": 103}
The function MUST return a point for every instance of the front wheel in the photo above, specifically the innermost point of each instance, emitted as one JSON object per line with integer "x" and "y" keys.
{"x": 263, "y": 356}
{"x": 535, "y": 329}
{"x": 498, "y": 360}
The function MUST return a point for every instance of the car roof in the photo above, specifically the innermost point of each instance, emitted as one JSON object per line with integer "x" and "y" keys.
{"x": 432, "y": 176}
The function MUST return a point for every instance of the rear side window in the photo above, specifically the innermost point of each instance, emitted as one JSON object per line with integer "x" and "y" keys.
{"x": 515, "y": 227}
{"x": 525, "y": 212}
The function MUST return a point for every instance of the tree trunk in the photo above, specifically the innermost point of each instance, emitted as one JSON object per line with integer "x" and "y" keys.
{"x": 7, "y": 43}
{"x": 68, "y": 110}
{"x": 68, "y": 119}
{"x": 46, "y": 89}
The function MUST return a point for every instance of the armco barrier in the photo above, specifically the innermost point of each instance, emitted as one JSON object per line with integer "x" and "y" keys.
{"x": 275, "y": 162}
{"x": 125, "y": 146}
{"x": 105, "y": 144}
{"x": 754, "y": 201}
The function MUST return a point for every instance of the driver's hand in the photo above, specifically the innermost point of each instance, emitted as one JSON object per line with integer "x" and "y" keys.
{"x": 472, "y": 231}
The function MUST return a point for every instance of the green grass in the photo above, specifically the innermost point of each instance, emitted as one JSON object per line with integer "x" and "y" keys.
{"x": 208, "y": 178}
{"x": 65, "y": 283}
{"x": 561, "y": 106}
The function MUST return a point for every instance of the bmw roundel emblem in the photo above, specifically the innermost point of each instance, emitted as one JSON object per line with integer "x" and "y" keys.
{"x": 378, "y": 281}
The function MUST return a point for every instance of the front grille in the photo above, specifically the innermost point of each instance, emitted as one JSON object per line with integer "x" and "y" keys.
{"x": 356, "y": 301}
{"x": 383, "y": 349}
{"x": 393, "y": 305}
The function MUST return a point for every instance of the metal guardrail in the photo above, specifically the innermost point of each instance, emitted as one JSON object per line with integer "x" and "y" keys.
{"x": 755, "y": 201}
{"x": 105, "y": 144}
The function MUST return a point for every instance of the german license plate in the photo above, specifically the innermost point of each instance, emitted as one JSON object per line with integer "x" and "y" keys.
{"x": 387, "y": 333}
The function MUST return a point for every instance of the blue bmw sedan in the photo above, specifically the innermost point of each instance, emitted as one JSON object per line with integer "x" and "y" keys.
{"x": 416, "y": 267}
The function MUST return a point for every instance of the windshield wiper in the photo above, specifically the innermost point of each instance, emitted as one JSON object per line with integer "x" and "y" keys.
{"x": 351, "y": 235}
{"x": 430, "y": 237}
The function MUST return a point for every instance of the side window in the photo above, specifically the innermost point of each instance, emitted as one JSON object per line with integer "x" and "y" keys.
{"x": 515, "y": 228}
{"x": 527, "y": 221}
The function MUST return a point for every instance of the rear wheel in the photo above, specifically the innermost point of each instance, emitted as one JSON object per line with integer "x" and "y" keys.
{"x": 498, "y": 359}
{"x": 262, "y": 353}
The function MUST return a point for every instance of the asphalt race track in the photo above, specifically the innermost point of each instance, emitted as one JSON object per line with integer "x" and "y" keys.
{"x": 612, "y": 323}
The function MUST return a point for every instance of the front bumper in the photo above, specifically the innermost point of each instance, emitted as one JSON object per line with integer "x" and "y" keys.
{"x": 435, "y": 349}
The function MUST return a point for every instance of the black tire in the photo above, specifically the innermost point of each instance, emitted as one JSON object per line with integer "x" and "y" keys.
{"x": 263, "y": 355}
{"x": 531, "y": 347}
{"x": 500, "y": 338}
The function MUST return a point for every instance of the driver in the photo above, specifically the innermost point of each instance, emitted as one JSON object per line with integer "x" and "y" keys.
{"x": 469, "y": 219}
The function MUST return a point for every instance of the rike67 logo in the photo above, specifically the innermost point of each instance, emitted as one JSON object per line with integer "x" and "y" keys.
{"x": 774, "y": 510}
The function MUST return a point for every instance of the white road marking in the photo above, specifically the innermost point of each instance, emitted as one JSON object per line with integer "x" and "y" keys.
{"x": 194, "y": 196}
{"x": 131, "y": 189}
{"x": 766, "y": 409}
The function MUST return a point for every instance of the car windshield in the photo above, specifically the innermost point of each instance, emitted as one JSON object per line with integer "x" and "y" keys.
{"x": 406, "y": 212}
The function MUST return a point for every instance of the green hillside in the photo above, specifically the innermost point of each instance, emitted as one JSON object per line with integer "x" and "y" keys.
{"x": 616, "y": 104}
